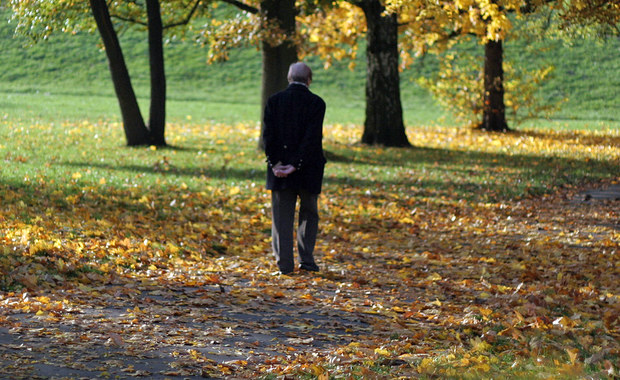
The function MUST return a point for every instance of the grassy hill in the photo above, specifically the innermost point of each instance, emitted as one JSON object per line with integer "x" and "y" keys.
{"x": 67, "y": 78}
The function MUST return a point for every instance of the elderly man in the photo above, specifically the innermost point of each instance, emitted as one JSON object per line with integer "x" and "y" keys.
{"x": 293, "y": 122}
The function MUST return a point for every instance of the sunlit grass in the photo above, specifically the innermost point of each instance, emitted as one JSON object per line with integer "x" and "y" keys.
{"x": 444, "y": 160}
{"x": 454, "y": 161}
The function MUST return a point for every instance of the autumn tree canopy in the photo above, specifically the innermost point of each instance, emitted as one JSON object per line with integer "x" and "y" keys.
{"x": 434, "y": 25}
{"x": 335, "y": 31}
{"x": 590, "y": 13}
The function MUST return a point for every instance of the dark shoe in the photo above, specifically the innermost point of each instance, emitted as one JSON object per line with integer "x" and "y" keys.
{"x": 309, "y": 267}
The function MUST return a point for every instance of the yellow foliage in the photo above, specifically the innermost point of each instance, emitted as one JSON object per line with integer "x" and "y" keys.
{"x": 382, "y": 352}
{"x": 332, "y": 34}
{"x": 459, "y": 88}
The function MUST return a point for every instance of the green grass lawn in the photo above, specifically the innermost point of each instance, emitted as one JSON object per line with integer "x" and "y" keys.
{"x": 67, "y": 78}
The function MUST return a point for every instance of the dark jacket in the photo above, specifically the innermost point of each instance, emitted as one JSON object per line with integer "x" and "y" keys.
{"x": 293, "y": 134}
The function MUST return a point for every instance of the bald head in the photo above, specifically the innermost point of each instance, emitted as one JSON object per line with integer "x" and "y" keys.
{"x": 299, "y": 72}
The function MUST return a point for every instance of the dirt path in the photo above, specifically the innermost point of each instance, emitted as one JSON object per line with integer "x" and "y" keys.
{"x": 611, "y": 192}
{"x": 168, "y": 332}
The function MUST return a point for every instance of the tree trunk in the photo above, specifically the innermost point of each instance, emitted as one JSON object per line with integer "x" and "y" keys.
{"x": 384, "y": 115}
{"x": 157, "y": 115}
{"x": 494, "y": 111}
{"x": 277, "y": 59}
{"x": 136, "y": 132}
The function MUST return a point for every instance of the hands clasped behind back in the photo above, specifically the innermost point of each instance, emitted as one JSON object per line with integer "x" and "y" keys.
{"x": 282, "y": 171}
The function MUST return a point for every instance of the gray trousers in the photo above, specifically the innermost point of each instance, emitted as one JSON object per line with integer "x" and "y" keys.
{"x": 283, "y": 219}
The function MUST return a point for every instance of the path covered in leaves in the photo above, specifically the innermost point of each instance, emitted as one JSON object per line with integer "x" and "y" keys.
{"x": 112, "y": 283}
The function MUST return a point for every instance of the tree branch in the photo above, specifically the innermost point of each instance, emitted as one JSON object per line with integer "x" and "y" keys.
{"x": 129, "y": 19}
{"x": 242, "y": 6}
{"x": 187, "y": 18}
{"x": 184, "y": 21}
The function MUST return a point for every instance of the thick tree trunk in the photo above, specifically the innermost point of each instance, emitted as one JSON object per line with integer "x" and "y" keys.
{"x": 157, "y": 115}
{"x": 277, "y": 59}
{"x": 384, "y": 115}
{"x": 136, "y": 132}
{"x": 494, "y": 111}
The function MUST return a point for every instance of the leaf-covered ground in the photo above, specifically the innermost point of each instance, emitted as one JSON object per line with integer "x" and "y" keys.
{"x": 472, "y": 255}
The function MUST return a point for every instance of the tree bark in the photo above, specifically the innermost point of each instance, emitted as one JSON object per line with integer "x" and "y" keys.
{"x": 384, "y": 115}
{"x": 277, "y": 59}
{"x": 136, "y": 132}
{"x": 157, "y": 114}
{"x": 494, "y": 111}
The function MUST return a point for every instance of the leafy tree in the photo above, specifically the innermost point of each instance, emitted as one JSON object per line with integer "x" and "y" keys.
{"x": 280, "y": 54}
{"x": 136, "y": 132}
{"x": 277, "y": 30}
{"x": 384, "y": 115}
{"x": 437, "y": 24}
{"x": 38, "y": 19}
{"x": 601, "y": 14}
{"x": 334, "y": 32}
{"x": 458, "y": 86}
{"x": 269, "y": 24}
{"x": 421, "y": 25}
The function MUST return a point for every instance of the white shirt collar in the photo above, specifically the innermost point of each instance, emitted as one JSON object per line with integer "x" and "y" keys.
{"x": 301, "y": 83}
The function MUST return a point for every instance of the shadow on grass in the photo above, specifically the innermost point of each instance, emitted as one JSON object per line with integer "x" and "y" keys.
{"x": 590, "y": 140}
{"x": 225, "y": 171}
{"x": 455, "y": 174}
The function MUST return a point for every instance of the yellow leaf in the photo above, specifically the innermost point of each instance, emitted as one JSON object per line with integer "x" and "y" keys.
{"x": 382, "y": 351}
{"x": 564, "y": 322}
{"x": 173, "y": 249}
{"x": 406, "y": 220}
{"x": 479, "y": 345}
{"x": 573, "y": 354}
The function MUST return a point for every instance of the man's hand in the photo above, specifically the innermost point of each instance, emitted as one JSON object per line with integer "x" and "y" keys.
{"x": 282, "y": 171}
{"x": 287, "y": 169}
